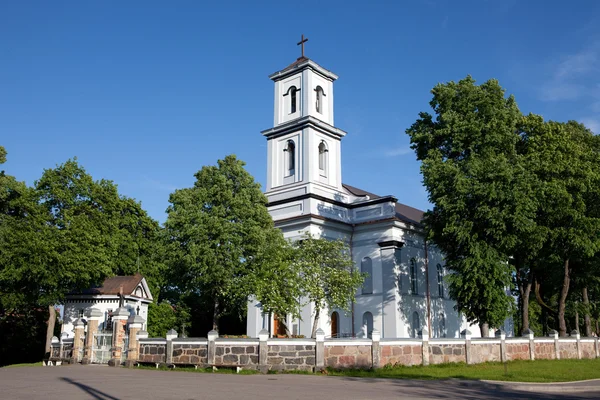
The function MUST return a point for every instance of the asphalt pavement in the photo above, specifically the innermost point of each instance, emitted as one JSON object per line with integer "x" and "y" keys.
{"x": 107, "y": 383}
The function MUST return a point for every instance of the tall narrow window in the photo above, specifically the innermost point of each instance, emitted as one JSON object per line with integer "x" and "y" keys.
{"x": 367, "y": 324}
{"x": 293, "y": 99}
{"x": 415, "y": 325}
{"x": 366, "y": 267}
{"x": 413, "y": 277}
{"x": 290, "y": 149}
{"x": 440, "y": 278}
{"x": 442, "y": 333}
{"x": 322, "y": 156}
{"x": 319, "y": 99}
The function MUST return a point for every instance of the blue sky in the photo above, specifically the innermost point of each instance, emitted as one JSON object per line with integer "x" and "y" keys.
{"x": 145, "y": 93}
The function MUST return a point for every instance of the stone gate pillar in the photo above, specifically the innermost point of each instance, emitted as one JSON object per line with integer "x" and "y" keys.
{"x": 119, "y": 318}
{"x": 78, "y": 328}
{"x": 93, "y": 317}
{"x": 135, "y": 326}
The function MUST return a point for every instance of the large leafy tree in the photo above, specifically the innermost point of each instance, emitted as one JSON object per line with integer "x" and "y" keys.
{"x": 565, "y": 159}
{"x": 72, "y": 233}
{"x": 277, "y": 281}
{"x": 328, "y": 278}
{"x": 471, "y": 170}
{"x": 218, "y": 234}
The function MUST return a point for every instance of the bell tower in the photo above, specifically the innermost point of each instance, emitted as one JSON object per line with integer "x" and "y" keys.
{"x": 304, "y": 146}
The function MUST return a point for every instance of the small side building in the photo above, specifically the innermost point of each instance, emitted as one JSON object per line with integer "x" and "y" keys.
{"x": 131, "y": 292}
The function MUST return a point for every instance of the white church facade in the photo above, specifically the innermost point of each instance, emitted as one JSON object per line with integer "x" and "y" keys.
{"x": 405, "y": 290}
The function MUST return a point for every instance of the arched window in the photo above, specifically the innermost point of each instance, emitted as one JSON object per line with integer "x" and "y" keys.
{"x": 292, "y": 91}
{"x": 366, "y": 267}
{"x": 413, "y": 276}
{"x": 415, "y": 325}
{"x": 442, "y": 333}
{"x": 367, "y": 324}
{"x": 290, "y": 149}
{"x": 319, "y": 99}
{"x": 440, "y": 278}
{"x": 323, "y": 156}
{"x": 335, "y": 323}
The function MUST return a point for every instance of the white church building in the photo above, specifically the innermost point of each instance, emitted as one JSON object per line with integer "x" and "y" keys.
{"x": 306, "y": 194}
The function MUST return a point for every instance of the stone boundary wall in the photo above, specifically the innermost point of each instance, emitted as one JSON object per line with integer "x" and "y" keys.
{"x": 314, "y": 354}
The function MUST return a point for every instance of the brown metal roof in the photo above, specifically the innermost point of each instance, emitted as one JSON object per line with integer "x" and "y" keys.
{"x": 403, "y": 212}
{"x": 293, "y": 65}
{"x": 113, "y": 285}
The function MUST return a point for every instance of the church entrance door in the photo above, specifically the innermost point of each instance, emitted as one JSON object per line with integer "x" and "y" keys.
{"x": 278, "y": 327}
{"x": 334, "y": 324}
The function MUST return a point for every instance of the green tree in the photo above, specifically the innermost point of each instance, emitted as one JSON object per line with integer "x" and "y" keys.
{"x": 68, "y": 233}
{"x": 470, "y": 166}
{"x": 327, "y": 275}
{"x": 277, "y": 282}
{"x": 564, "y": 157}
{"x": 217, "y": 233}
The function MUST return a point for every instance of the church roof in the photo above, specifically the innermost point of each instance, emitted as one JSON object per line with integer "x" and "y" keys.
{"x": 403, "y": 212}
{"x": 299, "y": 61}
{"x": 113, "y": 285}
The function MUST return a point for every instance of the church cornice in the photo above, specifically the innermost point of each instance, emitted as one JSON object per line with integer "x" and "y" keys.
{"x": 391, "y": 243}
{"x": 301, "y": 123}
{"x": 301, "y": 64}
{"x": 378, "y": 200}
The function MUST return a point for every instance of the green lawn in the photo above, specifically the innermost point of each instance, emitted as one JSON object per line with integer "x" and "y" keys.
{"x": 36, "y": 364}
{"x": 518, "y": 371}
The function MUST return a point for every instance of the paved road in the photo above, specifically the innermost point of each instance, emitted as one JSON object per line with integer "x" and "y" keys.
{"x": 106, "y": 383}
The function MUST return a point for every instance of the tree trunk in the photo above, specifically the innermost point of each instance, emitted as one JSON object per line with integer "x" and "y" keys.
{"x": 525, "y": 291}
{"x": 587, "y": 319}
{"x": 485, "y": 329}
{"x": 562, "y": 302}
{"x": 540, "y": 301}
{"x": 50, "y": 329}
{"x": 288, "y": 333}
{"x": 316, "y": 323}
{"x": 215, "y": 321}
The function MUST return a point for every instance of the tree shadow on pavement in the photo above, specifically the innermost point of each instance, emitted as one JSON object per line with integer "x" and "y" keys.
{"x": 95, "y": 393}
{"x": 471, "y": 389}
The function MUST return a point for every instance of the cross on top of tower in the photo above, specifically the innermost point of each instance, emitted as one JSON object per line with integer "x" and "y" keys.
{"x": 301, "y": 42}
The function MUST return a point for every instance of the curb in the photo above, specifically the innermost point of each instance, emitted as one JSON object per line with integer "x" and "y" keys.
{"x": 550, "y": 387}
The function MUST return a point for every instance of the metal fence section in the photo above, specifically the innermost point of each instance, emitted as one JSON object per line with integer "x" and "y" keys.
{"x": 101, "y": 347}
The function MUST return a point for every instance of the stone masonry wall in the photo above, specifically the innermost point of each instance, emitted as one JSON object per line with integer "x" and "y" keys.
{"x": 446, "y": 353}
{"x": 485, "y": 352}
{"x": 306, "y": 354}
{"x": 238, "y": 355}
{"x": 188, "y": 353}
{"x": 588, "y": 349}
{"x": 545, "y": 351}
{"x": 348, "y": 356}
{"x": 401, "y": 355}
{"x": 567, "y": 350}
{"x": 151, "y": 353}
{"x": 291, "y": 357}
{"x": 517, "y": 351}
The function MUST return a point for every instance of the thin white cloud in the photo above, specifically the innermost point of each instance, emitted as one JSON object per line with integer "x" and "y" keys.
{"x": 570, "y": 76}
{"x": 557, "y": 91}
{"x": 592, "y": 124}
{"x": 578, "y": 64}
{"x": 398, "y": 151}
{"x": 445, "y": 22}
